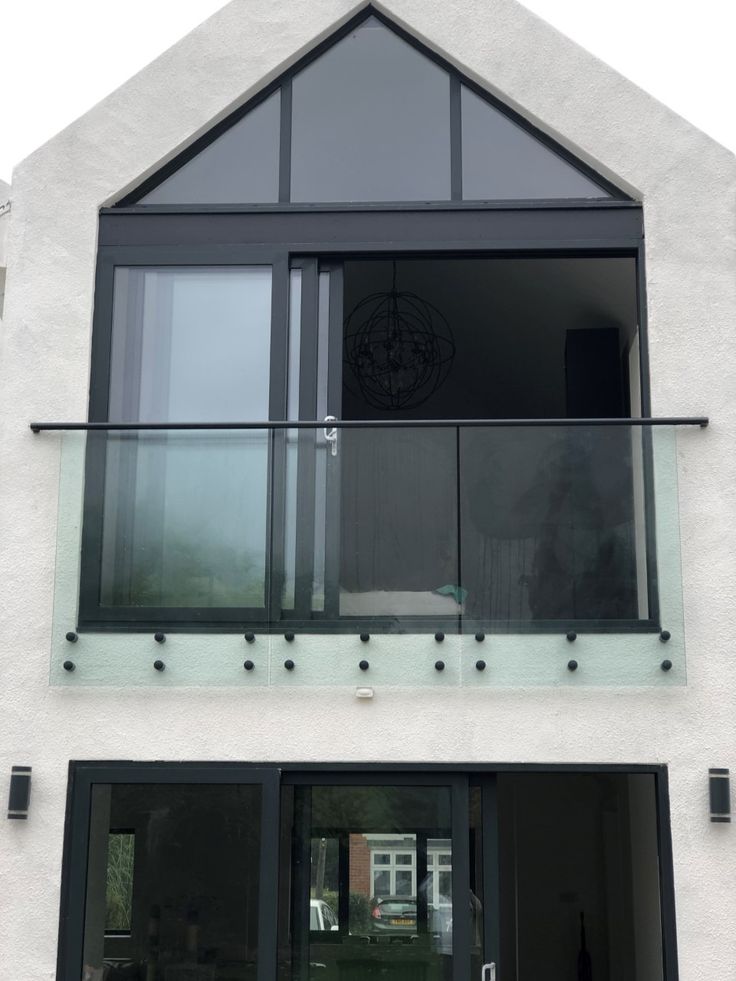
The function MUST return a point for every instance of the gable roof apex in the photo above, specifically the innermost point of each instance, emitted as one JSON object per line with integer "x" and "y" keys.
{"x": 589, "y": 108}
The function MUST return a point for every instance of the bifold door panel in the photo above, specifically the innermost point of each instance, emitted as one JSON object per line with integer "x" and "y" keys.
{"x": 219, "y": 873}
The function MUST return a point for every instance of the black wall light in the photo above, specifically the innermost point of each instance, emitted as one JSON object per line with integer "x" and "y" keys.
{"x": 20, "y": 793}
{"x": 719, "y": 783}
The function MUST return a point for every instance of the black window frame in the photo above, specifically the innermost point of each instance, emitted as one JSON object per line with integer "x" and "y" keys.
{"x": 283, "y": 83}
{"x": 276, "y": 775}
{"x": 276, "y": 237}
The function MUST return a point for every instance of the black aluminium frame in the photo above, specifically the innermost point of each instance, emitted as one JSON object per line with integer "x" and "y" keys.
{"x": 83, "y": 774}
{"x": 289, "y": 238}
{"x": 456, "y": 79}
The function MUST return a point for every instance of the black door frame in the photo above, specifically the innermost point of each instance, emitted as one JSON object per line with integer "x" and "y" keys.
{"x": 83, "y": 774}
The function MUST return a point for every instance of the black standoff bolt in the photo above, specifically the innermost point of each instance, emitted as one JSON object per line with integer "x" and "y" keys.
{"x": 248, "y": 665}
{"x": 363, "y": 665}
{"x": 480, "y": 665}
{"x": 439, "y": 636}
{"x": 69, "y": 665}
{"x": 159, "y": 665}
{"x": 289, "y": 664}
{"x": 439, "y": 665}
{"x": 666, "y": 665}
{"x": 572, "y": 665}
{"x": 250, "y": 637}
{"x": 571, "y": 636}
{"x": 159, "y": 637}
{"x": 289, "y": 636}
{"x": 480, "y": 637}
{"x": 72, "y": 637}
{"x": 665, "y": 636}
{"x": 365, "y": 638}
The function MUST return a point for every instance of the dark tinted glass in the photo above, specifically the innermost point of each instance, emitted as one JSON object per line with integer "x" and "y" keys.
{"x": 386, "y": 923}
{"x": 502, "y": 161}
{"x": 242, "y": 165}
{"x": 192, "y": 892}
{"x": 550, "y": 527}
{"x": 371, "y": 122}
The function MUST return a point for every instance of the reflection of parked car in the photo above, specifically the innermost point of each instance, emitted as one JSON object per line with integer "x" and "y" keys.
{"x": 321, "y": 916}
{"x": 394, "y": 914}
{"x": 398, "y": 915}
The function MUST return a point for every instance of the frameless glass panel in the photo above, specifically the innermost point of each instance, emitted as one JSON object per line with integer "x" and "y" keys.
{"x": 241, "y": 166}
{"x": 550, "y": 529}
{"x": 184, "y": 517}
{"x": 371, "y": 122}
{"x": 502, "y": 161}
{"x": 190, "y": 344}
{"x": 194, "y": 894}
{"x": 387, "y": 920}
{"x": 398, "y": 521}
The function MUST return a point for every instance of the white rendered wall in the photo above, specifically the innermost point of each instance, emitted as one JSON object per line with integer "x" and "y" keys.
{"x": 688, "y": 185}
{"x": 4, "y": 221}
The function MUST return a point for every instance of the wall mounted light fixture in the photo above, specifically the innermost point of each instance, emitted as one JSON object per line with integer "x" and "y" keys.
{"x": 20, "y": 793}
{"x": 719, "y": 783}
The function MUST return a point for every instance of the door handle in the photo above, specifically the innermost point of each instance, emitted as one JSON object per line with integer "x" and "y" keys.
{"x": 331, "y": 437}
{"x": 488, "y": 972}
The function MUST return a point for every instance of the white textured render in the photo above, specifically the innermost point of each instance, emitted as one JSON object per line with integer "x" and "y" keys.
{"x": 687, "y": 184}
{"x": 4, "y": 220}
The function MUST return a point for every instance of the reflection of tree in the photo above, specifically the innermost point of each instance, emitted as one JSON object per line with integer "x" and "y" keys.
{"x": 549, "y": 523}
{"x": 182, "y": 570}
{"x": 388, "y": 810}
{"x": 119, "y": 890}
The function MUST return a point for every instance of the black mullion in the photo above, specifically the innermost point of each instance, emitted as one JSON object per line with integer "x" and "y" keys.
{"x": 422, "y": 882}
{"x": 74, "y": 875}
{"x": 301, "y": 863}
{"x": 456, "y": 140}
{"x": 491, "y": 871}
{"x": 334, "y": 464}
{"x": 306, "y": 443}
{"x": 666, "y": 876}
{"x": 90, "y": 566}
{"x": 276, "y": 440}
{"x": 285, "y": 143}
{"x": 268, "y": 881}
{"x": 647, "y": 446}
{"x": 343, "y": 877}
{"x": 460, "y": 879}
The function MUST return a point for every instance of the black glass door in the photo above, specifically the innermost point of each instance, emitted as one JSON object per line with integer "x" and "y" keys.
{"x": 384, "y": 878}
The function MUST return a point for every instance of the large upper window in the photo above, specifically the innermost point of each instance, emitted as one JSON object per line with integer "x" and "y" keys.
{"x": 372, "y": 119}
{"x": 252, "y": 286}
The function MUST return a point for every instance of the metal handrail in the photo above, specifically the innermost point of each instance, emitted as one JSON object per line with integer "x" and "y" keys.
{"x": 701, "y": 421}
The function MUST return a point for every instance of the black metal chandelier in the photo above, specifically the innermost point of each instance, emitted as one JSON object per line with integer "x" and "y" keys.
{"x": 399, "y": 348}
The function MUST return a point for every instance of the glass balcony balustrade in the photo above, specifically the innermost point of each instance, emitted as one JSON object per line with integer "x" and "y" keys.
{"x": 520, "y": 535}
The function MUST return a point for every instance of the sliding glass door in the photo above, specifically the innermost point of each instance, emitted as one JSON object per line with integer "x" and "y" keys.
{"x": 230, "y": 873}
{"x": 377, "y": 879}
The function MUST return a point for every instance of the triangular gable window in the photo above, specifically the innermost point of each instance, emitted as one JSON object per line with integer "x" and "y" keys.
{"x": 372, "y": 118}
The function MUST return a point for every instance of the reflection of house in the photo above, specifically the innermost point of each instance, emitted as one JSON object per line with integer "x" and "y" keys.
{"x": 386, "y": 865}
{"x": 390, "y": 560}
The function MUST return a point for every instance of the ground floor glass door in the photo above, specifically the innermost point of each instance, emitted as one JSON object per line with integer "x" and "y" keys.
{"x": 377, "y": 880}
{"x": 229, "y": 873}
